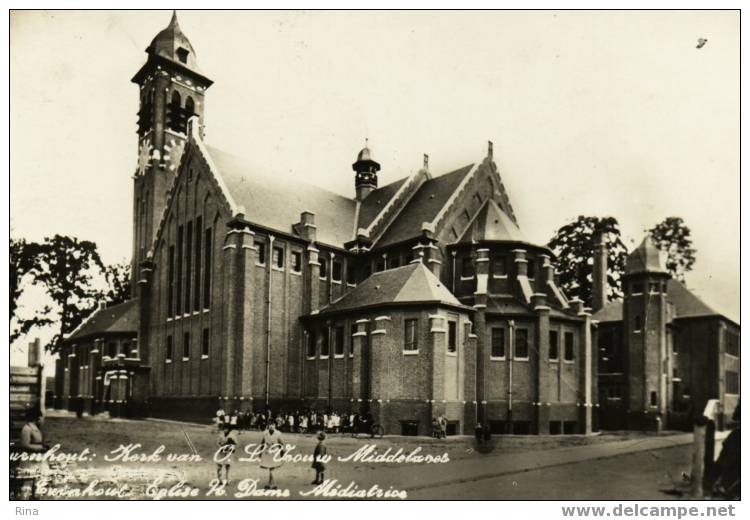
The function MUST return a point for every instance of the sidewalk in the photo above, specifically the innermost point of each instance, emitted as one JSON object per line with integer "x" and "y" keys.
{"x": 414, "y": 477}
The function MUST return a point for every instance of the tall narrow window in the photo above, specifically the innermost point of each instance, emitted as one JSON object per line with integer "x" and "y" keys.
{"x": 323, "y": 268}
{"x": 410, "y": 336}
{"x": 531, "y": 268}
{"x": 654, "y": 399}
{"x": 198, "y": 259}
{"x": 178, "y": 280}
{"x": 338, "y": 347}
{"x": 311, "y": 345}
{"x": 296, "y": 261}
{"x": 637, "y": 323}
{"x": 170, "y": 348}
{"x": 174, "y": 112}
{"x": 498, "y": 342}
{"x": 554, "y": 351}
{"x": 522, "y": 344}
{"x": 205, "y": 345}
{"x": 188, "y": 266}
{"x": 170, "y": 278}
{"x": 186, "y": 345}
{"x": 467, "y": 268}
{"x": 353, "y": 331}
{"x": 336, "y": 269}
{"x": 452, "y": 339}
{"x": 732, "y": 382}
{"x": 350, "y": 279}
{"x": 189, "y": 105}
{"x": 278, "y": 257}
{"x": 262, "y": 253}
{"x": 208, "y": 250}
{"x": 324, "y": 345}
{"x": 569, "y": 346}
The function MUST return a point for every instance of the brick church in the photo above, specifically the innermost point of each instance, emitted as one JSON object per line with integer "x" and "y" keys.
{"x": 408, "y": 300}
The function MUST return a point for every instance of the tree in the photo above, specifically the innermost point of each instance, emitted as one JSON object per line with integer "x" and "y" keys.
{"x": 118, "y": 281}
{"x": 673, "y": 237}
{"x": 24, "y": 263}
{"x": 573, "y": 244}
{"x": 68, "y": 268}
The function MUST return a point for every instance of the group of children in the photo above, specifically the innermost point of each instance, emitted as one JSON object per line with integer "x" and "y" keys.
{"x": 271, "y": 442}
{"x": 306, "y": 421}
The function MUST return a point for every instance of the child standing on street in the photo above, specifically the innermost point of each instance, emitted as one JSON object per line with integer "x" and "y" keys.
{"x": 318, "y": 464}
{"x": 227, "y": 444}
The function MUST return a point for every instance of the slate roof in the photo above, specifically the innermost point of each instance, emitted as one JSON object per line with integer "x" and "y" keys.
{"x": 612, "y": 311}
{"x": 686, "y": 305}
{"x": 424, "y": 206}
{"x": 277, "y": 204}
{"x": 412, "y": 283}
{"x": 646, "y": 258}
{"x": 376, "y": 201}
{"x": 491, "y": 223}
{"x": 507, "y": 306}
{"x": 121, "y": 318}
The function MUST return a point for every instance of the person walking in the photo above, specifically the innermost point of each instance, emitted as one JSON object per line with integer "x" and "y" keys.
{"x": 318, "y": 462}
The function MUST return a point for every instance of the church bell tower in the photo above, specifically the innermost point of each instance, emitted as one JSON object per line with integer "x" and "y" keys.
{"x": 172, "y": 89}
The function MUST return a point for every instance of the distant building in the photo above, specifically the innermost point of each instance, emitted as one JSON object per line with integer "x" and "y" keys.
{"x": 663, "y": 353}
{"x": 406, "y": 301}
{"x": 99, "y": 368}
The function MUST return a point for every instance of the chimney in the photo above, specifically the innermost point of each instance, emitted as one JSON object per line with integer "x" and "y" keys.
{"x": 306, "y": 227}
{"x": 34, "y": 353}
{"x": 599, "y": 276}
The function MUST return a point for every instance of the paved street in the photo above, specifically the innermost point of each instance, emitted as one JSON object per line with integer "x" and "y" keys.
{"x": 628, "y": 465}
{"x": 634, "y": 476}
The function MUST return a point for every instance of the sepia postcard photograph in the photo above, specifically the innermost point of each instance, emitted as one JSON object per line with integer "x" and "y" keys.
{"x": 387, "y": 255}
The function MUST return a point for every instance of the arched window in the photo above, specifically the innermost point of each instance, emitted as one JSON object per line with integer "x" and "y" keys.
{"x": 189, "y": 107}
{"x": 174, "y": 113}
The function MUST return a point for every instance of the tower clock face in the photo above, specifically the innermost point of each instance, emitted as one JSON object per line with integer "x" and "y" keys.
{"x": 173, "y": 153}
{"x": 144, "y": 157}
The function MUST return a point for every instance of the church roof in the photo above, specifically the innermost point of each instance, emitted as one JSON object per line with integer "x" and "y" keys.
{"x": 376, "y": 201}
{"x": 646, "y": 258}
{"x": 409, "y": 284}
{"x": 423, "y": 206}
{"x": 120, "y": 318}
{"x": 277, "y": 204}
{"x": 686, "y": 305}
{"x": 491, "y": 223}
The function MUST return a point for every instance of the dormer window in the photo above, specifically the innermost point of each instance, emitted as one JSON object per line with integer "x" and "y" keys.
{"x": 182, "y": 54}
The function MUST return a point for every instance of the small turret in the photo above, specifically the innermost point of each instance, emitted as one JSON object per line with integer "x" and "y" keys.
{"x": 366, "y": 168}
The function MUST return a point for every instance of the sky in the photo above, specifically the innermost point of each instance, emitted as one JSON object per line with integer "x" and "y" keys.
{"x": 591, "y": 113}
